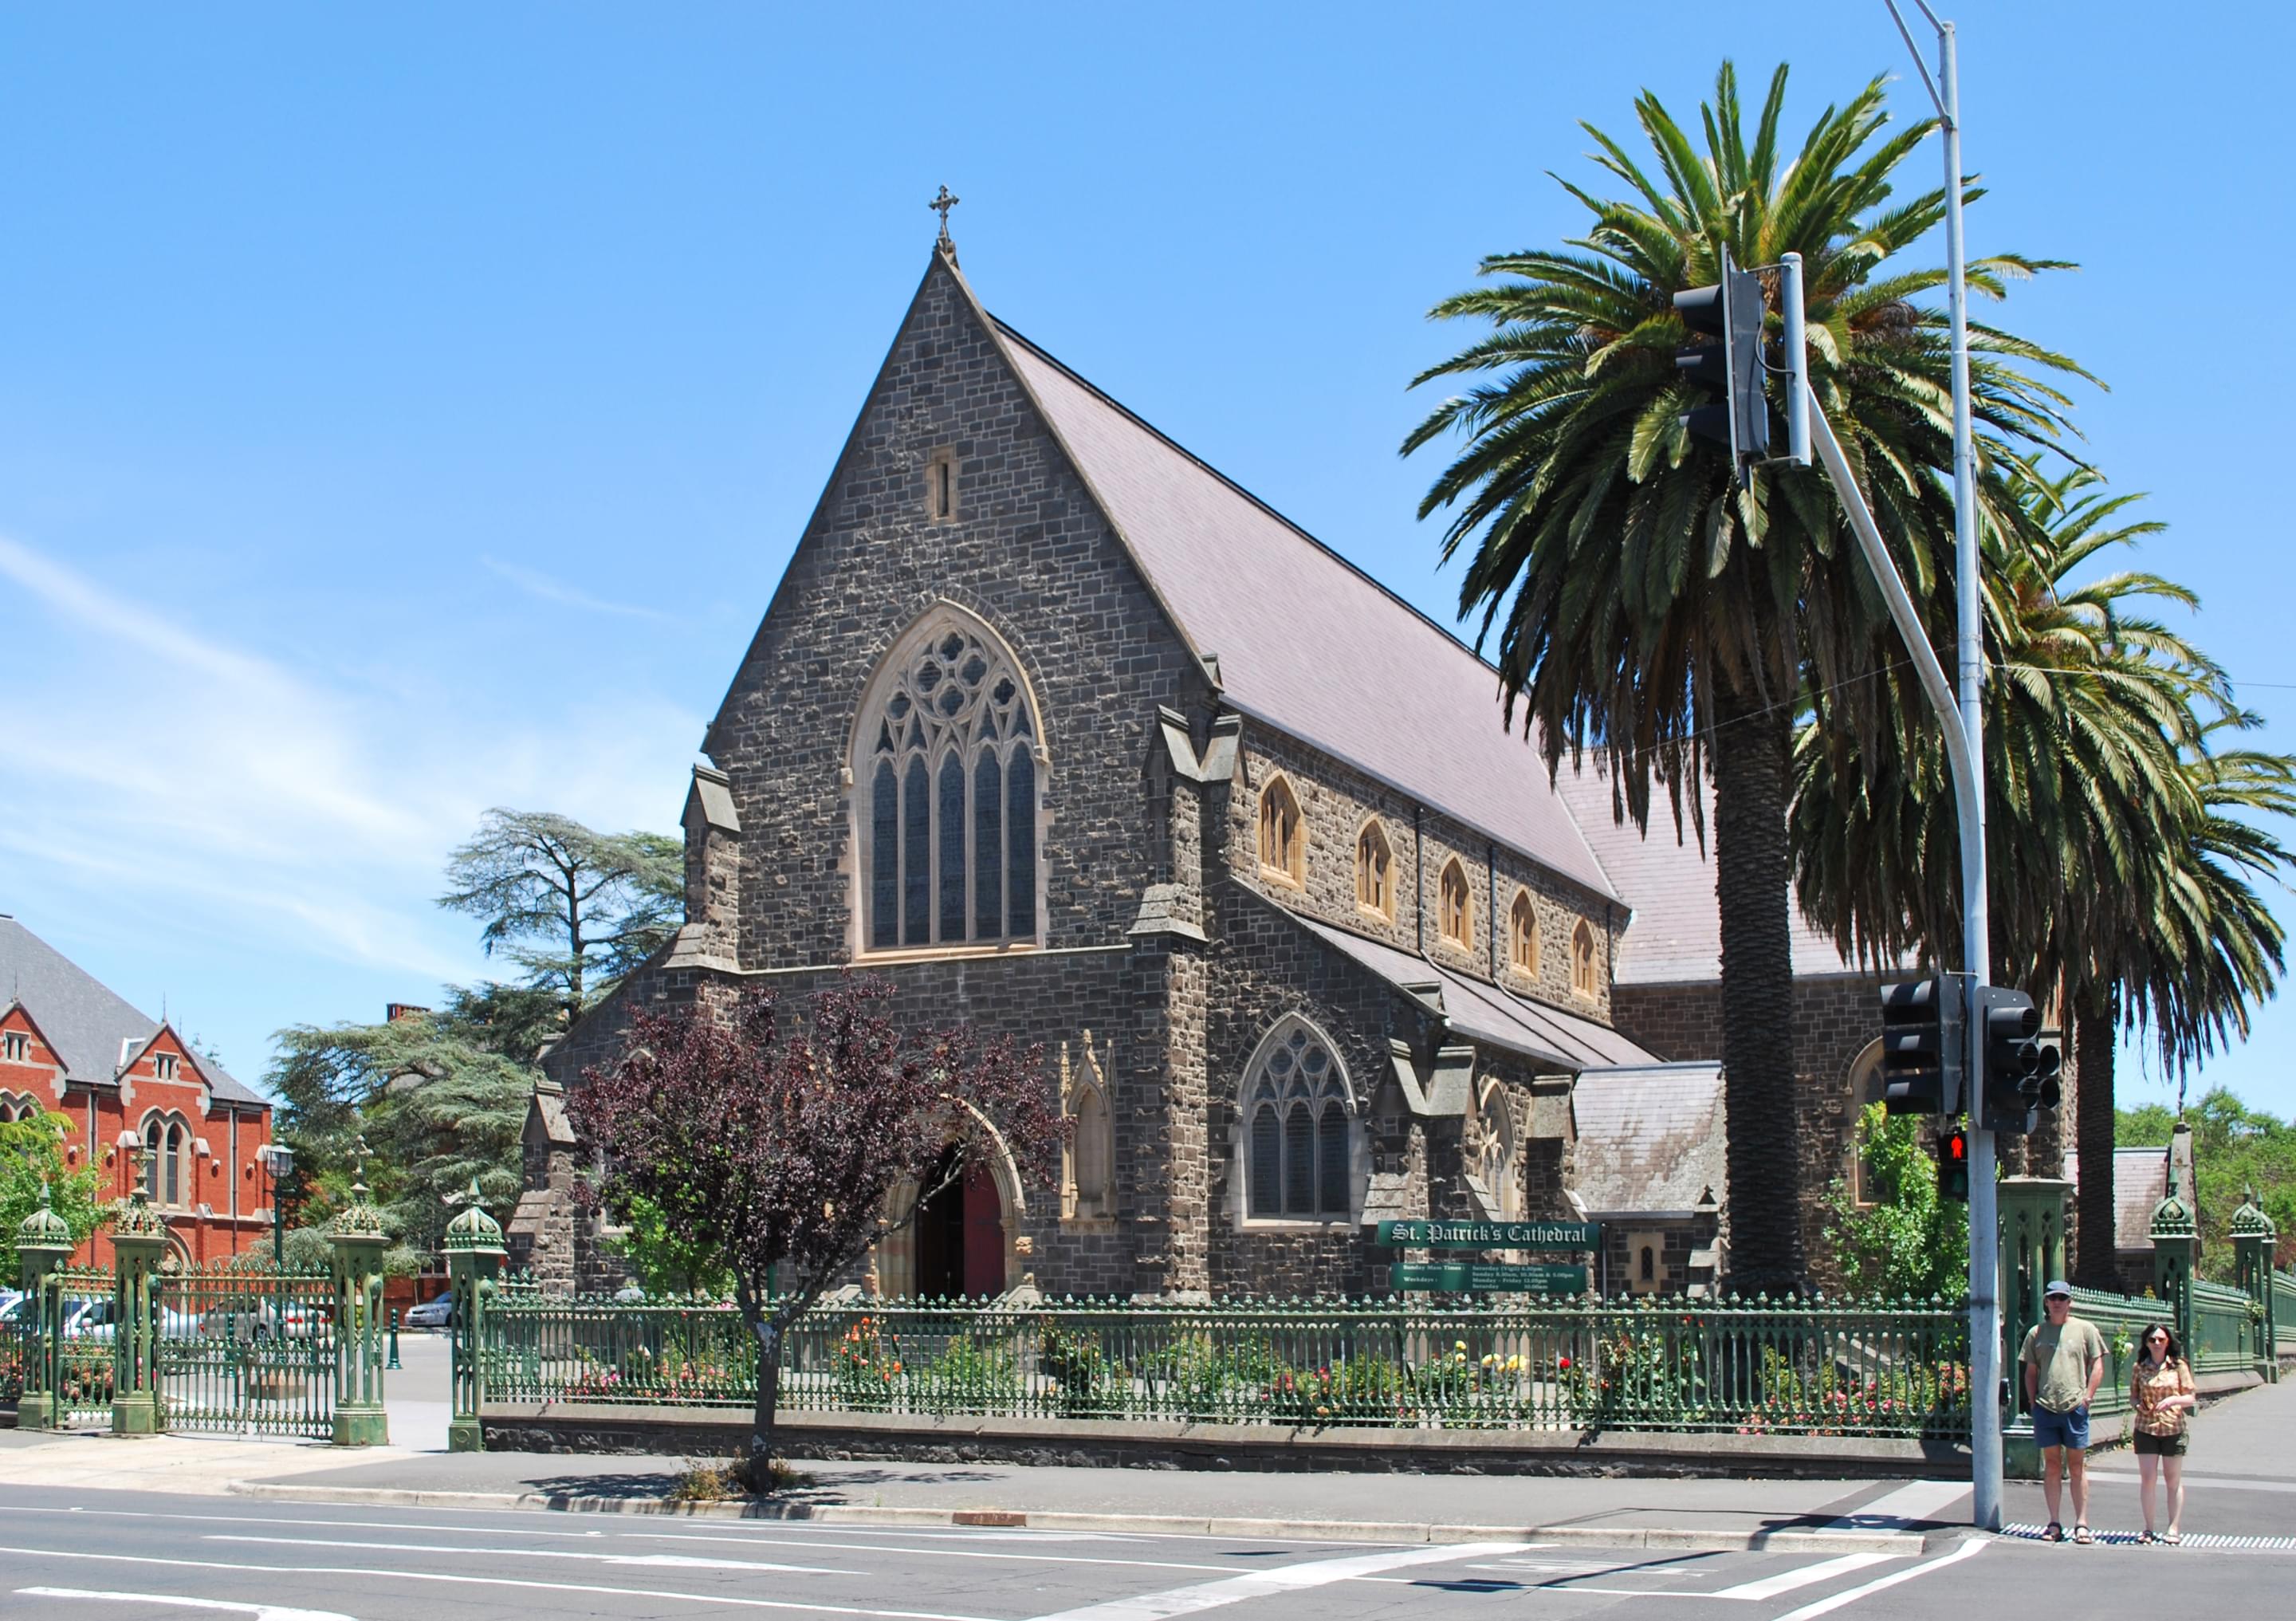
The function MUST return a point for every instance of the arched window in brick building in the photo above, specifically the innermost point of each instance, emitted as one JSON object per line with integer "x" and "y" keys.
{"x": 168, "y": 1170}
{"x": 1283, "y": 839}
{"x": 1376, "y": 870}
{"x": 948, "y": 783}
{"x": 1456, "y": 913}
{"x": 1300, "y": 1129}
{"x": 1522, "y": 935}
{"x": 13, "y": 1107}
{"x": 1583, "y": 979}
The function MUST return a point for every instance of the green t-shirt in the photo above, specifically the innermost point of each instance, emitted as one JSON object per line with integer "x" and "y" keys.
{"x": 2064, "y": 1357}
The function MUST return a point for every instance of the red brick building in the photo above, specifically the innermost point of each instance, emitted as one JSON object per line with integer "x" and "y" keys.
{"x": 68, "y": 1046}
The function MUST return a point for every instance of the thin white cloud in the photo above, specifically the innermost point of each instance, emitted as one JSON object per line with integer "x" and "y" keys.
{"x": 564, "y": 595}
{"x": 145, "y": 765}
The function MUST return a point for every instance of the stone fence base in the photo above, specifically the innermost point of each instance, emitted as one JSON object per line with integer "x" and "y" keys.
{"x": 719, "y": 1432}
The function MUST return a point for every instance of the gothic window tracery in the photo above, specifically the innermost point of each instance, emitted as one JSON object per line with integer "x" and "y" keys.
{"x": 1456, "y": 913}
{"x": 1300, "y": 1136}
{"x": 1495, "y": 1162}
{"x": 1376, "y": 870}
{"x": 949, "y": 782}
{"x": 168, "y": 1172}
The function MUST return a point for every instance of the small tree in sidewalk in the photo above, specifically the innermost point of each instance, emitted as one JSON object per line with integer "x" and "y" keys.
{"x": 779, "y": 1150}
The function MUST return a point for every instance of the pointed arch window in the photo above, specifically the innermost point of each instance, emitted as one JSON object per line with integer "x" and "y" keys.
{"x": 1375, "y": 871}
{"x": 1301, "y": 1131}
{"x": 948, "y": 789}
{"x": 1497, "y": 1164}
{"x": 1522, "y": 935}
{"x": 1282, "y": 840}
{"x": 1582, "y": 959}
{"x": 170, "y": 1175}
{"x": 1456, "y": 914}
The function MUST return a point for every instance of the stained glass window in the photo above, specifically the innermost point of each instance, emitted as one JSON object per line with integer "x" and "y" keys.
{"x": 1266, "y": 1162}
{"x": 1523, "y": 937}
{"x": 949, "y": 826}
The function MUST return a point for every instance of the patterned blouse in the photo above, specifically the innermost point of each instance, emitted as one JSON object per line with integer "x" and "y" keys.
{"x": 2146, "y": 1388}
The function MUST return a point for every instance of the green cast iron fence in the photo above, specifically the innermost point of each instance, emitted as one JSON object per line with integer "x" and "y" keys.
{"x": 1884, "y": 1368}
{"x": 2228, "y": 1330}
{"x": 247, "y": 1350}
{"x": 2122, "y": 1321}
{"x": 82, "y": 1369}
{"x": 2284, "y": 1312}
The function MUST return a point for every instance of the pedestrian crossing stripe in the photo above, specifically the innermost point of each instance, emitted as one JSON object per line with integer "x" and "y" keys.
{"x": 2193, "y": 1539}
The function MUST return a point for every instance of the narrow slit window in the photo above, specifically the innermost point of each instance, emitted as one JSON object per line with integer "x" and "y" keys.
{"x": 940, "y": 486}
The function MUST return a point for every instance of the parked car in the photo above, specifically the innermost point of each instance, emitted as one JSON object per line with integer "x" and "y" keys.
{"x": 246, "y": 1318}
{"x": 431, "y": 1313}
{"x": 93, "y": 1321}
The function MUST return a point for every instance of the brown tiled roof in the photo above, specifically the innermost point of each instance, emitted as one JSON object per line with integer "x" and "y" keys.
{"x": 1305, "y": 641}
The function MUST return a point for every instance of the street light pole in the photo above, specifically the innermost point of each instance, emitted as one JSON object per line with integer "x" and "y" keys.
{"x": 278, "y": 1161}
{"x": 1976, "y": 949}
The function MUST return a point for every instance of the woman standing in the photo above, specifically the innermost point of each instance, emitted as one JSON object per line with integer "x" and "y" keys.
{"x": 2160, "y": 1391}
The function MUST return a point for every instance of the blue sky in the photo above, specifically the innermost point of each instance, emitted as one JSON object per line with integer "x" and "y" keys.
{"x": 406, "y": 410}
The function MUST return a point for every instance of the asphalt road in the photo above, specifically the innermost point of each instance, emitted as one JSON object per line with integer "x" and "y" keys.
{"x": 121, "y": 1556}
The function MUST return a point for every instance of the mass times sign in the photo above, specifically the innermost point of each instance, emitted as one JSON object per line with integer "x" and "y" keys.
{"x": 1491, "y": 1234}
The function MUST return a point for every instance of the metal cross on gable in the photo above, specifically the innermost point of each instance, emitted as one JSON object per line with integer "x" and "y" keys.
{"x": 941, "y": 205}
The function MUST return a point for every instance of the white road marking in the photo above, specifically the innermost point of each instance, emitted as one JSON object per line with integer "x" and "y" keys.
{"x": 1266, "y": 1583}
{"x": 1787, "y": 1580}
{"x": 727, "y": 1600}
{"x": 261, "y": 1612}
{"x": 533, "y": 1553}
{"x": 1915, "y": 1499}
{"x": 2191, "y": 1480}
{"x": 1827, "y": 1606}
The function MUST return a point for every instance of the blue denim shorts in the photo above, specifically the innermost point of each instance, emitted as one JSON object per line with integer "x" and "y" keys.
{"x": 2060, "y": 1428}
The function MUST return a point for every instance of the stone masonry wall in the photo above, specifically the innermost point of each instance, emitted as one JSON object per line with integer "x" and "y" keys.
{"x": 1335, "y": 802}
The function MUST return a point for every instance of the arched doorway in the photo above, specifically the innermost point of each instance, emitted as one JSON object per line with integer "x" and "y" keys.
{"x": 959, "y": 1234}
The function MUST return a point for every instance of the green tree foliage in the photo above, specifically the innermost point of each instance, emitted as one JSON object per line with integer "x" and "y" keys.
{"x": 1644, "y": 603}
{"x": 576, "y": 909}
{"x": 32, "y": 1157}
{"x": 2235, "y": 1148}
{"x": 669, "y": 1258}
{"x": 1908, "y": 1241}
{"x": 440, "y": 1098}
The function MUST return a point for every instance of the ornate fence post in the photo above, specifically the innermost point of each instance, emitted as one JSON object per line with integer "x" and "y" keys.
{"x": 139, "y": 1238}
{"x": 358, "y": 1240}
{"x": 2175, "y": 1250}
{"x": 474, "y": 1253}
{"x": 2253, "y": 1240}
{"x": 2032, "y": 1238}
{"x": 43, "y": 1242}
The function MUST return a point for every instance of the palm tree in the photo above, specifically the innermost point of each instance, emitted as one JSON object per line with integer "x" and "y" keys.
{"x": 2118, "y": 864}
{"x": 1648, "y": 606}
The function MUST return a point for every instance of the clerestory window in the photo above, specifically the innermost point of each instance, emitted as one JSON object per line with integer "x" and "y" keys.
{"x": 1523, "y": 937}
{"x": 1282, "y": 840}
{"x": 1300, "y": 1131}
{"x": 1583, "y": 978}
{"x": 948, "y": 784}
{"x": 1455, "y": 909}
{"x": 1375, "y": 871}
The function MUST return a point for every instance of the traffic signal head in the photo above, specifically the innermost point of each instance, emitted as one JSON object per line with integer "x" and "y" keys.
{"x": 2020, "y": 1069}
{"x": 1953, "y": 1166}
{"x": 1729, "y": 314}
{"x": 1923, "y": 1045}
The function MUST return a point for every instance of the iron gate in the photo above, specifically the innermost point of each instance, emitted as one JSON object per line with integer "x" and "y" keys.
{"x": 247, "y": 1350}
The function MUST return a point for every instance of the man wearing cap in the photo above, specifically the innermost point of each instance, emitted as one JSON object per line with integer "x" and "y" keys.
{"x": 2064, "y": 1362}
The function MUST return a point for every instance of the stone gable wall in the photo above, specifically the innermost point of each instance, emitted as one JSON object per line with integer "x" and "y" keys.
{"x": 1028, "y": 552}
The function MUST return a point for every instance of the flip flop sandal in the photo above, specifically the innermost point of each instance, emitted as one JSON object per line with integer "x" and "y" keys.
{"x": 2143, "y": 1537}
{"x": 2084, "y": 1536}
{"x": 2052, "y": 1533}
{"x": 2174, "y": 1538}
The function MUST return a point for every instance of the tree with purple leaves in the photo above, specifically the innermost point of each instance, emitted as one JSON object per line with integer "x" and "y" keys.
{"x": 784, "y": 1150}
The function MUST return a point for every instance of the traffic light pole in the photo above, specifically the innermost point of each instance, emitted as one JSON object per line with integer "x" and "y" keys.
{"x": 1984, "y": 1282}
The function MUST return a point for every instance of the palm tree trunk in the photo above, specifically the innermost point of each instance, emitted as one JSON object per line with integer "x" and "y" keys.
{"x": 1760, "y": 1092}
{"x": 2094, "y": 1038}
